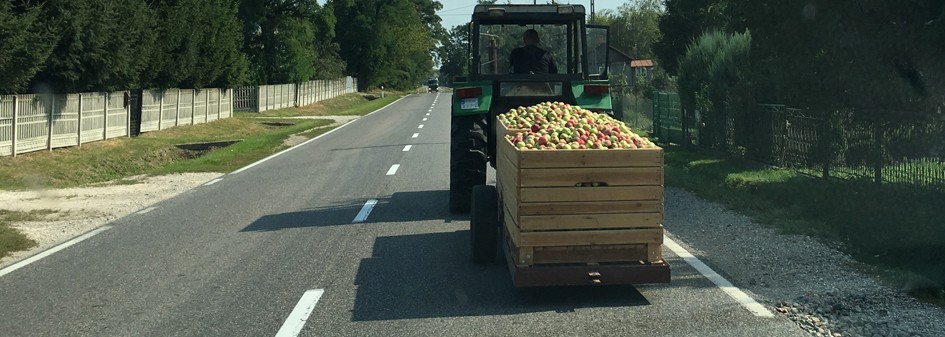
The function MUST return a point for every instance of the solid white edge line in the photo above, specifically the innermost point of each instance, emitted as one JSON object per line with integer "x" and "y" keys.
{"x": 296, "y": 320}
{"x": 214, "y": 181}
{"x": 314, "y": 139}
{"x": 51, "y": 251}
{"x": 415, "y": 135}
{"x": 393, "y": 169}
{"x": 365, "y": 211}
{"x": 146, "y": 210}
{"x": 737, "y": 294}
{"x": 407, "y": 148}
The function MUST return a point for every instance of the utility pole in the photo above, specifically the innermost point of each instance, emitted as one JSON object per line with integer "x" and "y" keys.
{"x": 592, "y": 12}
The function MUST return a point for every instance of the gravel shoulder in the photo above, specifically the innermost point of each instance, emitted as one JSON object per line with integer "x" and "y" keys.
{"x": 811, "y": 282}
{"x": 79, "y": 210}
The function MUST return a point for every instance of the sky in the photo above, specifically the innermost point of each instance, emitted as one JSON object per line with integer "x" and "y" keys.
{"x": 457, "y": 12}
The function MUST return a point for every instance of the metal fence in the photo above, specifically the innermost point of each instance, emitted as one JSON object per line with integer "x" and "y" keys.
{"x": 667, "y": 117}
{"x": 889, "y": 147}
{"x": 278, "y": 96}
{"x": 634, "y": 110}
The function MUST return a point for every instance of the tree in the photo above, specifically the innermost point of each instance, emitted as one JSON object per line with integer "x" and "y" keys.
{"x": 101, "y": 45}
{"x": 384, "y": 42}
{"x": 683, "y": 22}
{"x": 634, "y": 27}
{"x": 199, "y": 45}
{"x": 26, "y": 46}
{"x": 280, "y": 39}
{"x": 454, "y": 53}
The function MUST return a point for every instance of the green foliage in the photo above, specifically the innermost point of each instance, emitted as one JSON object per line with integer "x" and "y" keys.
{"x": 712, "y": 67}
{"x": 387, "y": 43}
{"x": 102, "y": 45}
{"x": 634, "y": 27}
{"x": 682, "y": 23}
{"x": 206, "y": 53}
{"x": 280, "y": 38}
{"x": 454, "y": 53}
{"x": 831, "y": 55}
{"x": 26, "y": 45}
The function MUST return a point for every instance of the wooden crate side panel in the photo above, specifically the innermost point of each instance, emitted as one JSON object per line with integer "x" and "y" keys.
{"x": 589, "y": 237}
{"x": 607, "y": 193}
{"x": 590, "y": 158}
{"x": 611, "y": 176}
{"x": 591, "y": 254}
{"x": 593, "y": 207}
{"x": 593, "y": 221}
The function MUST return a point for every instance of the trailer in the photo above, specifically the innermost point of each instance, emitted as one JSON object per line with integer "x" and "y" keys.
{"x": 572, "y": 217}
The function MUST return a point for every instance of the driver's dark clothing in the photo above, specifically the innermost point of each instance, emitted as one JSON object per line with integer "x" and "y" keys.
{"x": 532, "y": 59}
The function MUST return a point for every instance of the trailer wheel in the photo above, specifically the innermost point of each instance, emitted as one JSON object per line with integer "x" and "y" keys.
{"x": 467, "y": 159}
{"x": 484, "y": 224}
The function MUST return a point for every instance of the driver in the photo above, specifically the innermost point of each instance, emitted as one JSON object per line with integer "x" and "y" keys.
{"x": 531, "y": 59}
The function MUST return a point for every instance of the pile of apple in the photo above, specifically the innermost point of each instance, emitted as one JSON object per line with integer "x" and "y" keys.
{"x": 561, "y": 126}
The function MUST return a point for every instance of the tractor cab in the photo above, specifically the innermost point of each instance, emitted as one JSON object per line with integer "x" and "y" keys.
{"x": 492, "y": 87}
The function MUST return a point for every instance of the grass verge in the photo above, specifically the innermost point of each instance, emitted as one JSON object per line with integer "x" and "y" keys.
{"x": 116, "y": 160}
{"x": 355, "y": 104}
{"x": 896, "y": 231}
{"x": 12, "y": 240}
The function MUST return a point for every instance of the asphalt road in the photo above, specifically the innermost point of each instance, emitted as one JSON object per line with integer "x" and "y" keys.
{"x": 234, "y": 258}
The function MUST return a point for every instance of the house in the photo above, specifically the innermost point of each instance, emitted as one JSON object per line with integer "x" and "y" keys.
{"x": 641, "y": 68}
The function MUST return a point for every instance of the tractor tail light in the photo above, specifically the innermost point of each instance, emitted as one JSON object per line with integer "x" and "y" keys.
{"x": 596, "y": 89}
{"x": 469, "y": 92}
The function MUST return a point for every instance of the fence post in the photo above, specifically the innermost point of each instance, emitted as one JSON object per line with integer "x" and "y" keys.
{"x": 128, "y": 114}
{"x": 49, "y": 121}
{"x": 105, "y": 118}
{"x": 16, "y": 100}
{"x": 161, "y": 109}
{"x": 877, "y": 152}
{"x": 193, "y": 106}
{"x": 80, "y": 120}
{"x": 220, "y": 92}
{"x": 206, "y": 107}
{"x": 177, "y": 110}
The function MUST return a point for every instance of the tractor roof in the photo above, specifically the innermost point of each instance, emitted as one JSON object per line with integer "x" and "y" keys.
{"x": 527, "y": 13}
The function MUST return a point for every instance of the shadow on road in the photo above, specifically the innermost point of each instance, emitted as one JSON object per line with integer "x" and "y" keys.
{"x": 430, "y": 275}
{"x": 399, "y": 207}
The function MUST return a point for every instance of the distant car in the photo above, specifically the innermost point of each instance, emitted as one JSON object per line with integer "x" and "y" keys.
{"x": 433, "y": 85}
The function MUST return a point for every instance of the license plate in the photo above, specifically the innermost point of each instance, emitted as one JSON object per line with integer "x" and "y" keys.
{"x": 469, "y": 103}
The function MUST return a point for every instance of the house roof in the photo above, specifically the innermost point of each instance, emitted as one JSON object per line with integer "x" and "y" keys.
{"x": 641, "y": 63}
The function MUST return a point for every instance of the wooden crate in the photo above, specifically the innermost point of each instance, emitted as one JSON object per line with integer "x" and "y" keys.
{"x": 501, "y": 130}
{"x": 572, "y": 206}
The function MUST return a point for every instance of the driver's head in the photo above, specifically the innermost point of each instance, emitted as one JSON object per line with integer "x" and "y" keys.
{"x": 530, "y": 37}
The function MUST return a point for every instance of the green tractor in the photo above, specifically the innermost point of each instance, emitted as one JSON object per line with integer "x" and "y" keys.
{"x": 580, "y": 54}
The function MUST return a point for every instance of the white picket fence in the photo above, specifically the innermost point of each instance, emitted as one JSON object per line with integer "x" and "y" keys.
{"x": 44, "y": 122}
{"x": 278, "y": 96}
{"x": 34, "y": 122}
{"x": 169, "y": 108}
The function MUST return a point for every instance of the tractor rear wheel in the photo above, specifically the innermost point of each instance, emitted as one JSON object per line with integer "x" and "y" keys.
{"x": 467, "y": 159}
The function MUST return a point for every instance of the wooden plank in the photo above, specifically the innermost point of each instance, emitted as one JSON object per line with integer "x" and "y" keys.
{"x": 590, "y": 158}
{"x": 607, "y": 193}
{"x": 593, "y": 207}
{"x": 509, "y": 153}
{"x": 590, "y": 237}
{"x": 654, "y": 252}
{"x": 512, "y": 229}
{"x": 590, "y": 254}
{"x": 591, "y": 221}
{"x": 611, "y": 176}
